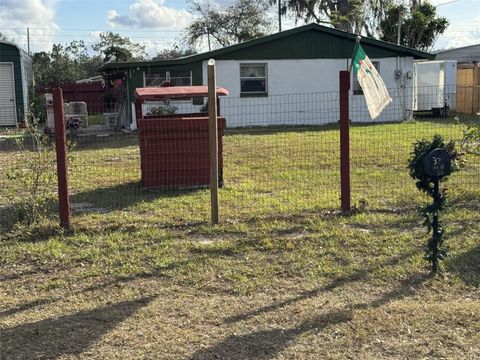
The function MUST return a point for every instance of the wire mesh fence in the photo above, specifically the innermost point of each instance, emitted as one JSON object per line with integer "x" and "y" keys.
{"x": 279, "y": 155}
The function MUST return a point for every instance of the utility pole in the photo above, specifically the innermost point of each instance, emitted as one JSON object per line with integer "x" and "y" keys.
{"x": 399, "y": 29}
{"x": 28, "y": 41}
{"x": 279, "y": 15}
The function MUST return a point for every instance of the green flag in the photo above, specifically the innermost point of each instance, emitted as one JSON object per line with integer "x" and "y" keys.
{"x": 376, "y": 94}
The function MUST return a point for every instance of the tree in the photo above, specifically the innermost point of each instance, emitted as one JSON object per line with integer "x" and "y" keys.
{"x": 242, "y": 21}
{"x": 64, "y": 64}
{"x": 115, "y": 48}
{"x": 420, "y": 25}
{"x": 347, "y": 15}
{"x": 61, "y": 64}
{"x": 174, "y": 53}
{"x": 74, "y": 61}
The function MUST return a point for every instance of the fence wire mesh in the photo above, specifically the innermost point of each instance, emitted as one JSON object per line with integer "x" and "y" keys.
{"x": 279, "y": 156}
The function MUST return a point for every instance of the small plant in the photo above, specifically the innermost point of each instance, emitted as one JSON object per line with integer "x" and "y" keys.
{"x": 74, "y": 122}
{"x": 471, "y": 139}
{"x": 165, "y": 109}
{"x": 31, "y": 178}
{"x": 428, "y": 184}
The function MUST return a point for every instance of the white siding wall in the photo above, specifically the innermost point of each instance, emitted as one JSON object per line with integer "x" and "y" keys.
{"x": 306, "y": 92}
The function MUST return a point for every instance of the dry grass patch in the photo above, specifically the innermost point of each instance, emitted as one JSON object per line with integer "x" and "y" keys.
{"x": 108, "y": 318}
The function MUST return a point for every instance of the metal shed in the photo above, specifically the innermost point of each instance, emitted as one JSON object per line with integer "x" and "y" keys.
{"x": 15, "y": 83}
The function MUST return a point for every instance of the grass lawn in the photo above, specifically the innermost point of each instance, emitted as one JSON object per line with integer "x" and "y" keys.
{"x": 96, "y": 119}
{"x": 142, "y": 274}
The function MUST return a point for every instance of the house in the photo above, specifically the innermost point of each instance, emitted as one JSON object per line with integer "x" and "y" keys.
{"x": 291, "y": 77}
{"x": 463, "y": 55}
{"x": 468, "y": 76}
{"x": 15, "y": 83}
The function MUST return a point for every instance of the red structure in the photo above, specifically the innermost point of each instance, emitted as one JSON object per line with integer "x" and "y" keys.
{"x": 174, "y": 149}
{"x": 98, "y": 95}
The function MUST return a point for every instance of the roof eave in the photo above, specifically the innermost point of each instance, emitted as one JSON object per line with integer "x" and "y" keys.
{"x": 406, "y": 51}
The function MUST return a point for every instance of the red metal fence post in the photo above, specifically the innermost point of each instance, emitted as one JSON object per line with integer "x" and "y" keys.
{"x": 213, "y": 139}
{"x": 344, "y": 141}
{"x": 61, "y": 150}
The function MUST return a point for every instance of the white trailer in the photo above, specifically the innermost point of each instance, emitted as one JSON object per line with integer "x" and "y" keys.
{"x": 435, "y": 86}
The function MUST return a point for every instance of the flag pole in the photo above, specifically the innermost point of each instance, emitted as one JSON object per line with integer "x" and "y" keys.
{"x": 358, "y": 38}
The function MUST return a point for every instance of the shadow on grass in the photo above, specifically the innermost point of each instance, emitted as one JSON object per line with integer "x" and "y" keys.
{"x": 267, "y": 344}
{"x": 25, "y": 306}
{"x": 65, "y": 335}
{"x": 14, "y": 225}
{"x": 466, "y": 265}
{"x": 121, "y": 196}
{"x": 19, "y": 275}
{"x": 465, "y": 201}
{"x": 101, "y": 286}
{"x": 450, "y": 119}
{"x": 98, "y": 142}
{"x": 338, "y": 282}
{"x": 100, "y": 200}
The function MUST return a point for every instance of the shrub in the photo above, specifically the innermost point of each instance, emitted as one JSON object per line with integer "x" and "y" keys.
{"x": 471, "y": 139}
{"x": 165, "y": 109}
{"x": 32, "y": 176}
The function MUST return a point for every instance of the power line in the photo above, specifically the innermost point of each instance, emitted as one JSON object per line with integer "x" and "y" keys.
{"x": 101, "y": 30}
{"x": 446, "y": 3}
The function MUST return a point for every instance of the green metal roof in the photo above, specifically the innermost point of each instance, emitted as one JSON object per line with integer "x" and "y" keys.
{"x": 310, "y": 41}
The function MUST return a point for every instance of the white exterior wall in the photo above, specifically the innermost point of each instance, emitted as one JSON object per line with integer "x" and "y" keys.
{"x": 305, "y": 92}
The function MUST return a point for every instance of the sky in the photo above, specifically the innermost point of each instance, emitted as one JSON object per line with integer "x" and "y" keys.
{"x": 158, "y": 24}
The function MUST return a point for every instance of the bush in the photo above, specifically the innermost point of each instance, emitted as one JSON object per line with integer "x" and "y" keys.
{"x": 32, "y": 177}
{"x": 471, "y": 139}
{"x": 162, "y": 110}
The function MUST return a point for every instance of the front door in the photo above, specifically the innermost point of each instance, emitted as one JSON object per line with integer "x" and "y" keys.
{"x": 8, "y": 115}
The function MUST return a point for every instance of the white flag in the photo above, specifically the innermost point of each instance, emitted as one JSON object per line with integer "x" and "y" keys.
{"x": 376, "y": 94}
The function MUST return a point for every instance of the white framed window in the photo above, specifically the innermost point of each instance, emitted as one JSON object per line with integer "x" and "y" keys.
{"x": 356, "y": 88}
{"x": 253, "y": 80}
{"x": 180, "y": 78}
{"x": 154, "y": 79}
{"x": 174, "y": 77}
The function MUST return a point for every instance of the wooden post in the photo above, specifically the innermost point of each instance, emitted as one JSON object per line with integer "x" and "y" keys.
{"x": 344, "y": 141}
{"x": 213, "y": 137}
{"x": 475, "y": 89}
{"x": 61, "y": 150}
